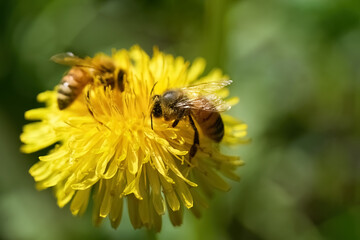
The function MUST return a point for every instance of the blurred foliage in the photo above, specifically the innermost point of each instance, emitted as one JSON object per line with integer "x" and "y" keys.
{"x": 295, "y": 65}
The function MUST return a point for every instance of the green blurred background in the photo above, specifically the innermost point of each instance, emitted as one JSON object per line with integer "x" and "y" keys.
{"x": 295, "y": 66}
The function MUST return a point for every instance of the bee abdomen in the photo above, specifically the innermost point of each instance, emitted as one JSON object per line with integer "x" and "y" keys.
{"x": 217, "y": 129}
{"x": 210, "y": 123}
{"x": 71, "y": 86}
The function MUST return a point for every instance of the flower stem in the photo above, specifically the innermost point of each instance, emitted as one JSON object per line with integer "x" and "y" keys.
{"x": 151, "y": 235}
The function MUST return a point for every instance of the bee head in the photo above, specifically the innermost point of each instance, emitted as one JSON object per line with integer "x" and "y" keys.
{"x": 165, "y": 105}
{"x": 156, "y": 110}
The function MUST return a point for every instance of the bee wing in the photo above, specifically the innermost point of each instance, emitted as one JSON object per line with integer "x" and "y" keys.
{"x": 211, "y": 103}
{"x": 217, "y": 103}
{"x": 206, "y": 88}
{"x": 70, "y": 59}
{"x": 201, "y": 96}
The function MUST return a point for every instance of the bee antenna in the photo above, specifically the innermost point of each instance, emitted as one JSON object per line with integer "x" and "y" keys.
{"x": 151, "y": 114}
{"x": 151, "y": 121}
{"x": 152, "y": 89}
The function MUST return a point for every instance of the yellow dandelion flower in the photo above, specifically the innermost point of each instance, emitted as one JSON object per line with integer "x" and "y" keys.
{"x": 108, "y": 143}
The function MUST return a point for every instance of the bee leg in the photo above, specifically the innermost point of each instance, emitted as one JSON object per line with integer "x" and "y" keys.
{"x": 193, "y": 148}
{"x": 179, "y": 117}
{"x": 120, "y": 80}
{"x": 175, "y": 123}
{"x": 88, "y": 104}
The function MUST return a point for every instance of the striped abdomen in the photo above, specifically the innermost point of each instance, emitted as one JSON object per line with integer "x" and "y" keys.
{"x": 71, "y": 86}
{"x": 210, "y": 122}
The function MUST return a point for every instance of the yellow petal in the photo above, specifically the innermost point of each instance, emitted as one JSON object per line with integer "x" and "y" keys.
{"x": 196, "y": 69}
{"x": 170, "y": 195}
{"x": 79, "y": 202}
{"x": 184, "y": 193}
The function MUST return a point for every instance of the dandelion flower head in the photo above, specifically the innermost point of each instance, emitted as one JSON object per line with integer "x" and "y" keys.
{"x": 103, "y": 145}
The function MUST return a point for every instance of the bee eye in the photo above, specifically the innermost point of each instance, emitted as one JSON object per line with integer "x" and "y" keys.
{"x": 169, "y": 96}
{"x": 157, "y": 111}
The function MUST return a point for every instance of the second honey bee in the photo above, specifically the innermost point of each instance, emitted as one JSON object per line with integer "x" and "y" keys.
{"x": 83, "y": 72}
{"x": 198, "y": 104}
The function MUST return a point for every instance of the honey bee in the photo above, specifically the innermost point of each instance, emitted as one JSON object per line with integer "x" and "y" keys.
{"x": 82, "y": 72}
{"x": 198, "y": 104}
